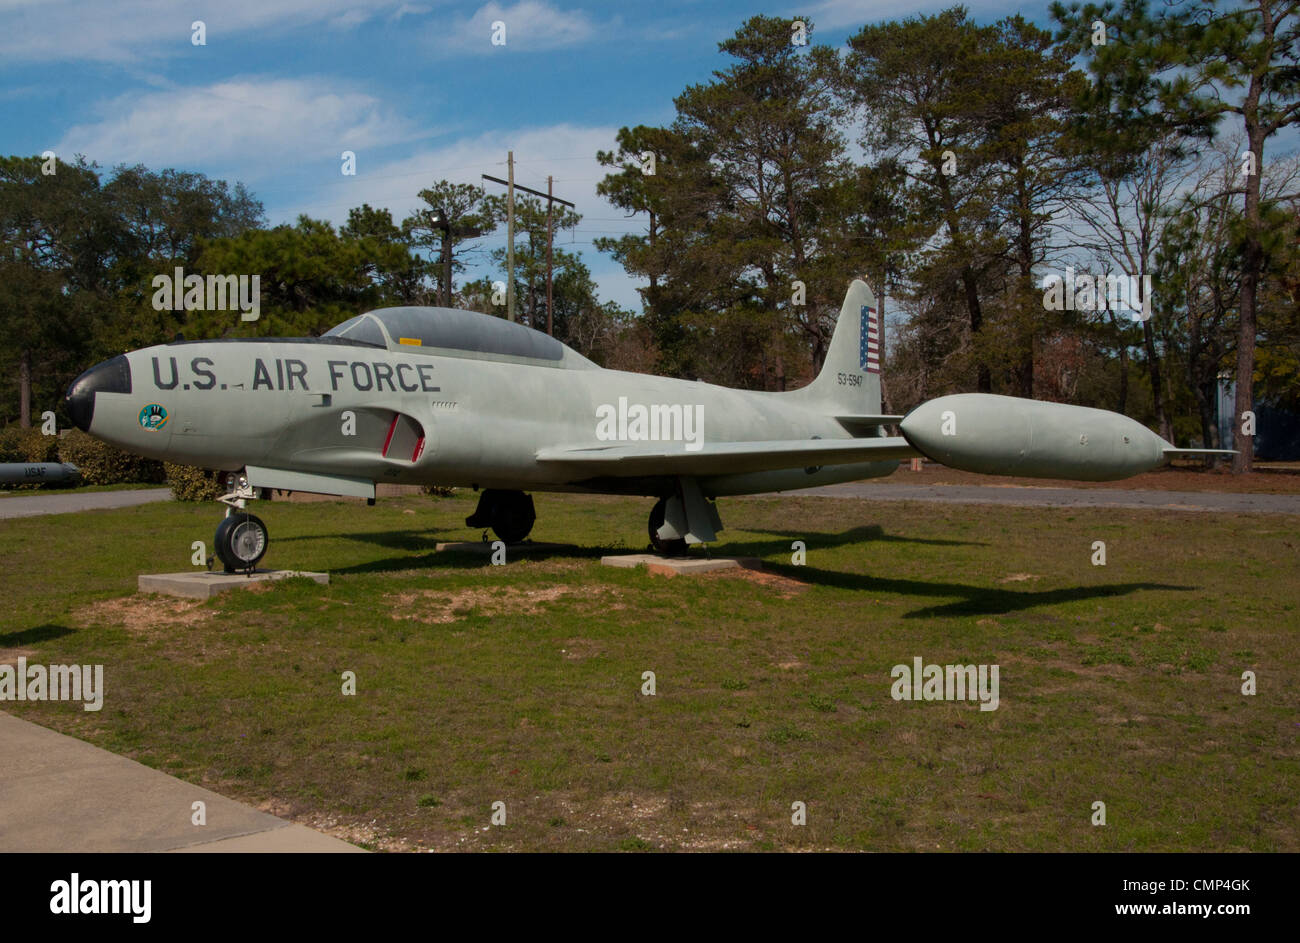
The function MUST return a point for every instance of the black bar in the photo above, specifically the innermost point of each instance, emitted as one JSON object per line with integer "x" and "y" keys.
{"x": 934, "y": 893}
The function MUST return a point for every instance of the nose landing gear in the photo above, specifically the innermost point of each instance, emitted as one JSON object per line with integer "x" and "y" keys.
{"x": 241, "y": 538}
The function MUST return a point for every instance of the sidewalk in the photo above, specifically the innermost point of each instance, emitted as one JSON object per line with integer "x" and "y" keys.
{"x": 61, "y": 794}
{"x": 1040, "y": 496}
{"x": 55, "y": 503}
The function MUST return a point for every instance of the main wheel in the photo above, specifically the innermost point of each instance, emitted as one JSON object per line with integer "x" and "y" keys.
{"x": 513, "y": 516}
{"x": 241, "y": 541}
{"x": 669, "y": 548}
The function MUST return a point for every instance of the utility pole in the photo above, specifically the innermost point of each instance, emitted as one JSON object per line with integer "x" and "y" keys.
{"x": 549, "y": 234}
{"x": 510, "y": 238}
{"x": 446, "y": 267}
{"x": 551, "y": 199}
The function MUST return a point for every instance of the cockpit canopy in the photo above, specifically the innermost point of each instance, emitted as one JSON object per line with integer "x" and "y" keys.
{"x": 452, "y": 332}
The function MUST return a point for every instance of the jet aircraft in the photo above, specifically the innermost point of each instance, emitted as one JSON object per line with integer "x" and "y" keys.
{"x": 440, "y": 396}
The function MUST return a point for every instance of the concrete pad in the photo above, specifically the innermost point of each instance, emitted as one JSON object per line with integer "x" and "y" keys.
{"x": 204, "y": 584}
{"x": 485, "y": 547}
{"x": 60, "y": 794}
{"x": 673, "y": 566}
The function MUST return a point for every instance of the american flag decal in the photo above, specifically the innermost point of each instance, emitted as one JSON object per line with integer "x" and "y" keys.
{"x": 869, "y": 352}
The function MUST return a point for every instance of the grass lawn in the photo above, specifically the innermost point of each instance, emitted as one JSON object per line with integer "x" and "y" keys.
{"x": 522, "y": 684}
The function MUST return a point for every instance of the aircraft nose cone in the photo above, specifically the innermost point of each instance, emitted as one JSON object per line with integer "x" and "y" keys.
{"x": 111, "y": 376}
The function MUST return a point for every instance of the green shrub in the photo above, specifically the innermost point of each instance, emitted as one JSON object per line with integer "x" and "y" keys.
{"x": 27, "y": 445}
{"x": 194, "y": 484}
{"x": 104, "y": 464}
{"x": 438, "y": 491}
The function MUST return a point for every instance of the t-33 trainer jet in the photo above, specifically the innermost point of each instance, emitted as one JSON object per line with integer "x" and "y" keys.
{"x": 441, "y": 396}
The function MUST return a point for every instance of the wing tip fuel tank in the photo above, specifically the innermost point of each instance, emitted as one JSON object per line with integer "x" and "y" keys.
{"x": 1007, "y": 435}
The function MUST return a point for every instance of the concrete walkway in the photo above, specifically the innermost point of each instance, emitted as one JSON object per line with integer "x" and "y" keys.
{"x": 79, "y": 501}
{"x": 1066, "y": 497}
{"x": 62, "y": 794}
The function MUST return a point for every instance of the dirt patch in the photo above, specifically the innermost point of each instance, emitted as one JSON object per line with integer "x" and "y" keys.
{"x": 578, "y": 649}
{"x": 1018, "y": 577}
{"x": 674, "y": 825}
{"x": 10, "y": 656}
{"x": 784, "y": 587}
{"x": 431, "y": 606}
{"x": 363, "y": 834}
{"x": 146, "y": 616}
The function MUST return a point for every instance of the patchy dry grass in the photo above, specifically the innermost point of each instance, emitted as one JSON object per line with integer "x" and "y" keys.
{"x": 522, "y": 684}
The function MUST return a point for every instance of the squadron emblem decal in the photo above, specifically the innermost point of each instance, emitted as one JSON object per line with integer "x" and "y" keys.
{"x": 153, "y": 417}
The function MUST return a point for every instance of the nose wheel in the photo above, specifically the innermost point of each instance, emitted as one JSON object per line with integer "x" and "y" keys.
{"x": 241, "y": 538}
{"x": 241, "y": 541}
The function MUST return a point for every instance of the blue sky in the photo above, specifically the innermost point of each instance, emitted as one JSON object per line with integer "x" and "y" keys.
{"x": 414, "y": 87}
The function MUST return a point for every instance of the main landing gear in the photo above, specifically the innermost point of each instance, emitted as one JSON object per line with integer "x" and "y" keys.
{"x": 241, "y": 538}
{"x": 510, "y": 514}
{"x": 669, "y": 548}
{"x": 683, "y": 518}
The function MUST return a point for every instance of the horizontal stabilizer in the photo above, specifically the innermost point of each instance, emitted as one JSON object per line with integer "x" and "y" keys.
{"x": 724, "y": 458}
{"x": 865, "y": 425}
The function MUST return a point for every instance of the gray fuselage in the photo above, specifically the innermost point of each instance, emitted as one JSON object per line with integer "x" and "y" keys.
{"x": 331, "y": 408}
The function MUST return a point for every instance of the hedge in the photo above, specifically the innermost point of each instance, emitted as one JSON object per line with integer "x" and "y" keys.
{"x": 27, "y": 445}
{"x": 194, "y": 484}
{"x": 104, "y": 464}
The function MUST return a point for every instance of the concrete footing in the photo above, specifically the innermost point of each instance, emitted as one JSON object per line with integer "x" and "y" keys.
{"x": 673, "y": 566}
{"x": 203, "y": 584}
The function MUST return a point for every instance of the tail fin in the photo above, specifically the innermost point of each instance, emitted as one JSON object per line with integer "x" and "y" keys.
{"x": 848, "y": 386}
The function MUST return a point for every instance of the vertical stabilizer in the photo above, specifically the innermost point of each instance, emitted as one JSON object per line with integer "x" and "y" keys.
{"x": 849, "y": 382}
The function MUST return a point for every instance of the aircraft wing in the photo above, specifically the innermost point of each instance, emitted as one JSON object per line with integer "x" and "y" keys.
{"x": 723, "y": 458}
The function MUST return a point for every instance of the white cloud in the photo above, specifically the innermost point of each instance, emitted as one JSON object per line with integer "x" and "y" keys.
{"x": 530, "y": 26}
{"x": 246, "y": 127}
{"x": 64, "y": 30}
{"x": 348, "y": 20}
{"x": 408, "y": 9}
{"x": 566, "y": 152}
{"x": 836, "y": 14}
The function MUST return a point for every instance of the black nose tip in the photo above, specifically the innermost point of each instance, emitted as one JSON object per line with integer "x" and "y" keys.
{"x": 111, "y": 376}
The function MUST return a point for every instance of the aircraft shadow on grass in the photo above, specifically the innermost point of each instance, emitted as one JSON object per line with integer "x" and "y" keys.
{"x": 414, "y": 539}
{"x": 423, "y": 539}
{"x": 37, "y": 633}
{"x": 973, "y": 600}
{"x": 872, "y": 532}
{"x": 420, "y": 539}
